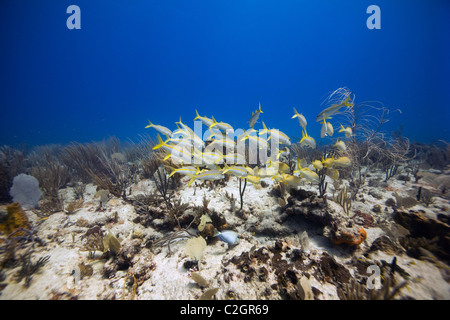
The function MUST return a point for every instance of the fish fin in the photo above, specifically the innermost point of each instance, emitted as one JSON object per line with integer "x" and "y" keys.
{"x": 264, "y": 130}
{"x": 149, "y": 125}
{"x": 264, "y": 126}
{"x": 260, "y": 111}
{"x": 244, "y": 138}
{"x": 225, "y": 168}
{"x": 219, "y": 159}
{"x": 299, "y": 166}
{"x": 198, "y": 116}
{"x": 304, "y": 135}
{"x": 174, "y": 170}
{"x": 214, "y": 122}
{"x": 160, "y": 143}
{"x": 191, "y": 181}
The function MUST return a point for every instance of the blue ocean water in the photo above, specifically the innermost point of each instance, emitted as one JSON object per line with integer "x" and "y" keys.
{"x": 160, "y": 60}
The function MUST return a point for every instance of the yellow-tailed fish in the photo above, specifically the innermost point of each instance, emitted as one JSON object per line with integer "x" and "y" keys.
{"x": 234, "y": 158}
{"x": 307, "y": 141}
{"x": 324, "y": 114}
{"x": 306, "y": 173}
{"x": 253, "y": 179}
{"x": 328, "y": 162}
{"x": 276, "y": 134}
{"x": 323, "y": 130}
{"x": 222, "y": 143}
{"x": 184, "y": 170}
{"x": 330, "y": 129}
{"x": 163, "y": 130}
{"x": 284, "y": 150}
{"x": 250, "y": 171}
{"x": 290, "y": 180}
{"x": 206, "y": 121}
{"x": 215, "y": 134}
{"x": 348, "y": 131}
{"x": 181, "y": 134}
{"x": 178, "y": 158}
{"x": 261, "y": 142}
{"x": 245, "y": 133}
{"x": 342, "y": 162}
{"x": 254, "y": 117}
{"x": 180, "y": 142}
{"x": 317, "y": 164}
{"x": 301, "y": 118}
{"x": 301, "y": 163}
{"x": 333, "y": 173}
{"x": 185, "y": 127}
{"x": 186, "y": 133}
{"x": 327, "y": 129}
{"x": 279, "y": 166}
{"x": 173, "y": 149}
{"x": 237, "y": 171}
{"x": 206, "y": 175}
{"x": 309, "y": 175}
{"x": 266, "y": 172}
{"x": 222, "y": 126}
{"x": 211, "y": 157}
{"x": 340, "y": 145}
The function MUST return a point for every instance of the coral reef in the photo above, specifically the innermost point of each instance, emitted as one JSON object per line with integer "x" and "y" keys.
{"x": 130, "y": 221}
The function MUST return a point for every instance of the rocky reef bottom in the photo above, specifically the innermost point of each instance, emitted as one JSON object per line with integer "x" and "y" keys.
{"x": 293, "y": 245}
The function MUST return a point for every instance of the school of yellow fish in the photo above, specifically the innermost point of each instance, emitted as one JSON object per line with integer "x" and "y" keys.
{"x": 223, "y": 150}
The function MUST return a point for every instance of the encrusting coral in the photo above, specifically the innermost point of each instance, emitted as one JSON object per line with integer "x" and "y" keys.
{"x": 349, "y": 237}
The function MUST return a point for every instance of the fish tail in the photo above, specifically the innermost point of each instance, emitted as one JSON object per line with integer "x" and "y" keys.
{"x": 264, "y": 130}
{"x": 160, "y": 143}
{"x": 149, "y": 124}
{"x": 174, "y": 170}
{"x": 347, "y": 103}
{"x": 192, "y": 179}
{"x": 220, "y": 158}
{"x": 260, "y": 111}
{"x": 304, "y": 135}
{"x": 198, "y": 116}
{"x": 226, "y": 168}
{"x": 214, "y": 122}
